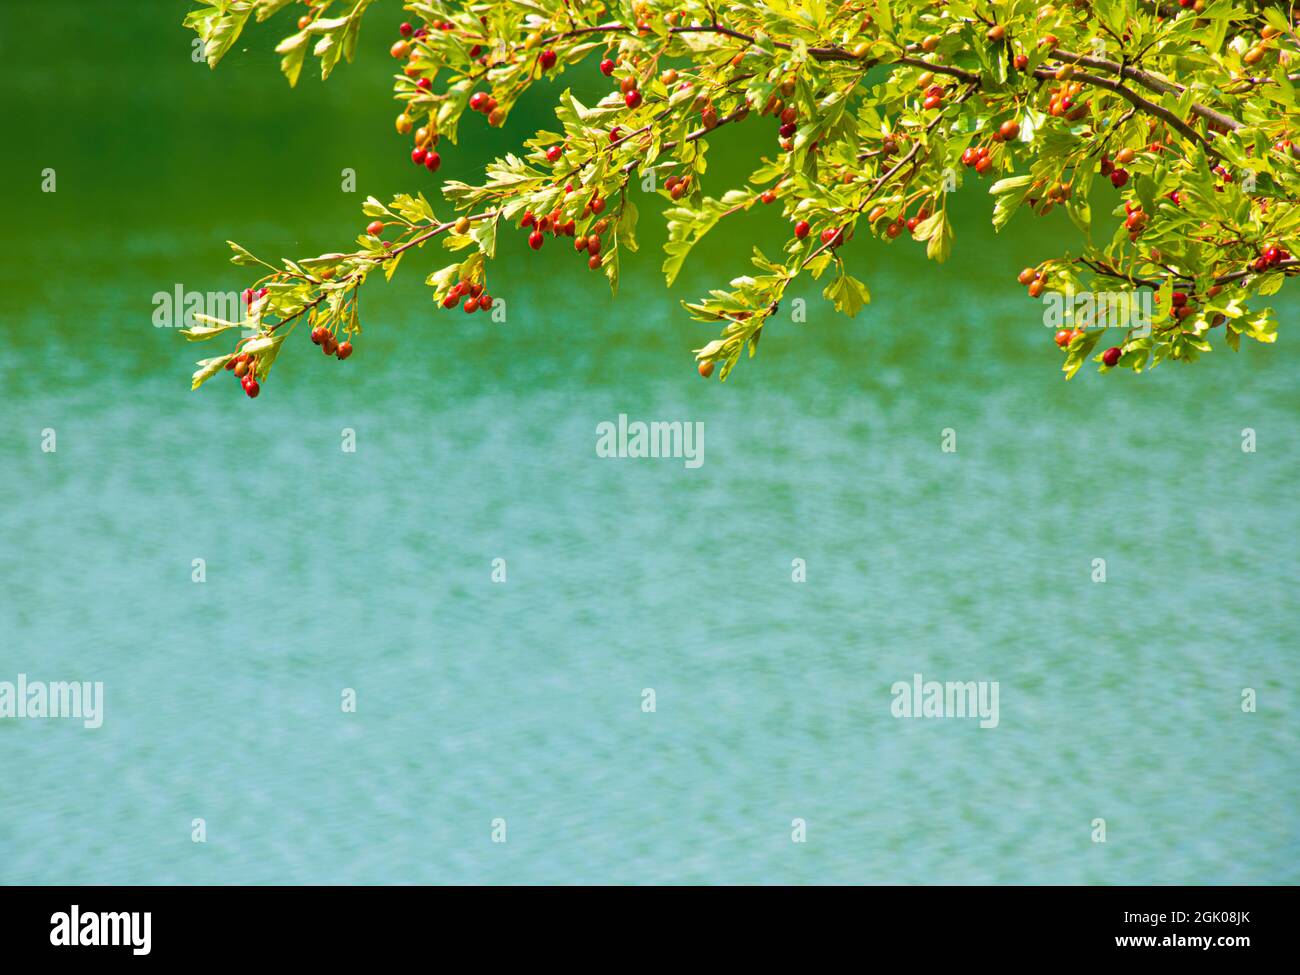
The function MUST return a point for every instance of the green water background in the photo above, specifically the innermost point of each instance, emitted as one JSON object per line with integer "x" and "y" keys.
{"x": 371, "y": 570}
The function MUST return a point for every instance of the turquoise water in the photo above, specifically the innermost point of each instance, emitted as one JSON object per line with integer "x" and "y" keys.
{"x": 522, "y": 700}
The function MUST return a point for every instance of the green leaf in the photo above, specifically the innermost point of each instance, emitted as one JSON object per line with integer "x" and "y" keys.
{"x": 848, "y": 293}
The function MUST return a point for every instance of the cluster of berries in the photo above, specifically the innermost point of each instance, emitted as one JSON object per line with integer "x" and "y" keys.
{"x": 1182, "y": 305}
{"x": 323, "y": 337}
{"x": 476, "y": 299}
{"x": 978, "y": 158}
{"x": 786, "y": 115}
{"x": 1135, "y": 221}
{"x": 1270, "y": 256}
{"x": 677, "y": 186}
{"x": 1035, "y": 279}
{"x": 483, "y": 103}
{"x": 1062, "y": 103}
{"x": 539, "y": 226}
{"x": 1114, "y": 168}
{"x": 244, "y": 366}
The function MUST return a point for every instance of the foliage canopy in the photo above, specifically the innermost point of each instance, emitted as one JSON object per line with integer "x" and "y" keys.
{"x": 1162, "y": 129}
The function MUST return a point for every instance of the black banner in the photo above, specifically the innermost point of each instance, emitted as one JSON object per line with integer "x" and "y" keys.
{"x": 140, "y": 925}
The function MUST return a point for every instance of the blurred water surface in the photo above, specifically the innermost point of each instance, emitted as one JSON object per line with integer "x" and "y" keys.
{"x": 328, "y": 570}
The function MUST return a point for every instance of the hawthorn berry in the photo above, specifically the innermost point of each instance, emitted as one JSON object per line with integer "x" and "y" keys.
{"x": 1027, "y": 275}
{"x": 344, "y": 350}
{"x": 1009, "y": 130}
{"x": 484, "y": 301}
{"x": 424, "y": 84}
{"x": 432, "y": 161}
{"x": 1063, "y": 337}
{"x": 554, "y": 153}
{"x": 607, "y": 67}
{"x": 1119, "y": 178}
{"x": 706, "y": 368}
{"x": 400, "y": 49}
{"x": 471, "y": 305}
{"x": 1111, "y": 355}
{"x": 632, "y": 99}
{"x": 1022, "y": 62}
{"x": 478, "y": 101}
{"x": 375, "y": 228}
{"x": 252, "y": 388}
{"x": 594, "y": 262}
{"x": 801, "y": 229}
{"x": 547, "y": 59}
{"x": 406, "y": 30}
{"x": 767, "y": 196}
{"x": 535, "y": 240}
{"x": 615, "y": 134}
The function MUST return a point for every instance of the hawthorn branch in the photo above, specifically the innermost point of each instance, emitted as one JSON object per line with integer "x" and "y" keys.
{"x": 1147, "y": 80}
{"x": 1140, "y": 103}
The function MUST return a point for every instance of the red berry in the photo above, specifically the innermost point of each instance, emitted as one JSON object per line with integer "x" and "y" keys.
{"x": 406, "y": 30}
{"x": 451, "y": 299}
{"x": 607, "y": 67}
{"x": 632, "y": 99}
{"x": 432, "y": 161}
{"x": 1118, "y": 178}
{"x": 1111, "y": 355}
{"x": 478, "y": 101}
{"x": 528, "y": 220}
{"x": 424, "y": 84}
{"x": 375, "y": 228}
{"x": 554, "y": 153}
{"x": 787, "y": 130}
{"x": 471, "y": 305}
{"x": 801, "y": 229}
{"x": 1179, "y": 299}
{"x": 417, "y": 156}
{"x": 615, "y": 134}
{"x": 1063, "y": 337}
{"x": 547, "y": 59}
{"x": 252, "y": 388}
{"x": 706, "y": 368}
{"x": 535, "y": 240}
{"x": 484, "y": 301}
{"x": 345, "y": 350}
{"x": 594, "y": 262}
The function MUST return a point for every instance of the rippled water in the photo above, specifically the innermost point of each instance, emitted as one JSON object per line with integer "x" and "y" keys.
{"x": 523, "y": 700}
